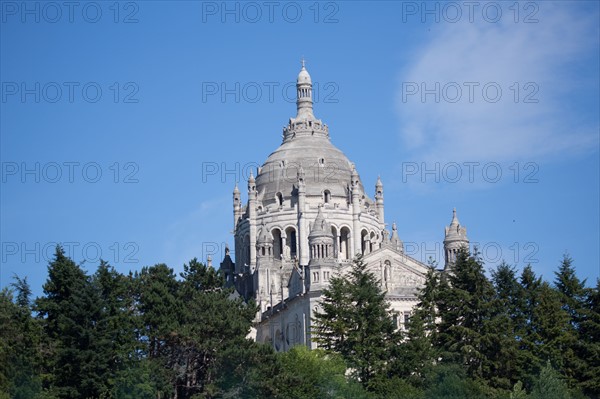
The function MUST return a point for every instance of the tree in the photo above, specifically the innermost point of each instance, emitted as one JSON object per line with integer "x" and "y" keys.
{"x": 19, "y": 344}
{"x": 527, "y": 336}
{"x": 213, "y": 319}
{"x": 450, "y": 381}
{"x": 590, "y": 339}
{"x": 70, "y": 311}
{"x": 572, "y": 294}
{"x": 115, "y": 329}
{"x": 417, "y": 353}
{"x": 501, "y": 330}
{"x": 550, "y": 385}
{"x": 315, "y": 374}
{"x": 464, "y": 309}
{"x": 355, "y": 322}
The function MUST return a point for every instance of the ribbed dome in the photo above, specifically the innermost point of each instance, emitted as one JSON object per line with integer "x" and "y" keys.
{"x": 325, "y": 168}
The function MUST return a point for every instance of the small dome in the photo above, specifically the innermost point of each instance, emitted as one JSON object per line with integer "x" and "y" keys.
{"x": 303, "y": 77}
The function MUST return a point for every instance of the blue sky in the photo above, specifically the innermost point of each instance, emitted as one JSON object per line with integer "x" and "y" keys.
{"x": 124, "y": 128}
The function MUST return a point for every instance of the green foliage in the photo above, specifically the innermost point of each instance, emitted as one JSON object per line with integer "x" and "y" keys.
{"x": 315, "y": 374}
{"x": 451, "y": 382}
{"x": 356, "y": 322}
{"x": 153, "y": 334}
{"x": 550, "y": 385}
{"x": 464, "y": 306}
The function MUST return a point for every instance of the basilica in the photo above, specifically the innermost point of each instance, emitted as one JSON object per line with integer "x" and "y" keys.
{"x": 306, "y": 216}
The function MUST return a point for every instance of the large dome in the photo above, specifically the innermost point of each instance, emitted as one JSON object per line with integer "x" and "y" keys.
{"x": 325, "y": 168}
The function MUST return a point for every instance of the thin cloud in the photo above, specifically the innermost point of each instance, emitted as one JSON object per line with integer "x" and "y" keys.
{"x": 543, "y": 58}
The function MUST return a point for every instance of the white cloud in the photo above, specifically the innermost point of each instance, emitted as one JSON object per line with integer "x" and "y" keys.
{"x": 549, "y": 54}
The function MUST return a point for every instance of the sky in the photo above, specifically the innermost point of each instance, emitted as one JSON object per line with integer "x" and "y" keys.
{"x": 124, "y": 126}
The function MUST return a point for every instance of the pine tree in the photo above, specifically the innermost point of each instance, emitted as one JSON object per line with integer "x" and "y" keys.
{"x": 71, "y": 310}
{"x": 527, "y": 333}
{"x": 356, "y": 322}
{"x": 551, "y": 328}
{"x": 417, "y": 354}
{"x": 501, "y": 330}
{"x": 590, "y": 339}
{"x": 550, "y": 385}
{"x": 19, "y": 344}
{"x": 572, "y": 296}
{"x": 213, "y": 320}
{"x": 115, "y": 328}
{"x": 463, "y": 304}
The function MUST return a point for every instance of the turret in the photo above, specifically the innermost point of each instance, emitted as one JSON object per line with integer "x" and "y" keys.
{"x": 252, "y": 220}
{"x": 228, "y": 268}
{"x": 302, "y": 234}
{"x": 304, "y": 103}
{"x": 355, "y": 187}
{"x": 320, "y": 239}
{"x": 322, "y": 262}
{"x": 379, "y": 200}
{"x": 237, "y": 206}
{"x": 395, "y": 239}
{"x": 455, "y": 239}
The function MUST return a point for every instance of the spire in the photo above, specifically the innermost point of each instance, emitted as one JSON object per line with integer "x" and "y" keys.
{"x": 454, "y": 221}
{"x": 455, "y": 239}
{"x": 236, "y": 190}
{"x": 320, "y": 226}
{"x": 395, "y": 239}
{"x": 304, "y": 101}
{"x": 379, "y": 183}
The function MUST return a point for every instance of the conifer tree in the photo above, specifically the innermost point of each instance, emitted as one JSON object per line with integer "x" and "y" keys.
{"x": 590, "y": 339}
{"x": 356, "y": 322}
{"x": 464, "y": 309}
{"x": 71, "y": 311}
{"x": 502, "y": 368}
{"x": 572, "y": 297}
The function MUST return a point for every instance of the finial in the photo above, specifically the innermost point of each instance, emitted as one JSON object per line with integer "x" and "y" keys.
{"x": 454, "y": 221}
{"x": 394, "y": 228}
{"x": 303, "y": 62}
{"x": 226, "y": 249}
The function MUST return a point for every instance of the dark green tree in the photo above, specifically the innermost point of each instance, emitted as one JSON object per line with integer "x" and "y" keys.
{"x": 464, "y": 307}
{"x": 417, "y": 353}
{"x": 115, "y": 329}
{"x": 501, "y": 330}
{"x": 355, "y": 322}
{"x": 590, "y": 338}
{"x": 71, "y": 310}
{"x": 213, "y": 320}
{"x": 19, "y": 344}
{"x": 572, "y": 292}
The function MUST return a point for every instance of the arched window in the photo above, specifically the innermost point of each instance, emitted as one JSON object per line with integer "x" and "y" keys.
{"x": 279, "y": 199}
{"x": 291, "y": 241}
{"x": 326, "y": 196}
{"x": 345, "y": 243}
{"x": 277, "y": 247}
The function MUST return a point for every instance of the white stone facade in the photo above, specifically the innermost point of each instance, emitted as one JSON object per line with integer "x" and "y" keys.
{"x": 306, "y": 216}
